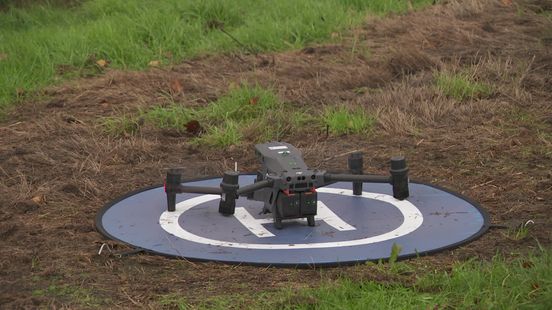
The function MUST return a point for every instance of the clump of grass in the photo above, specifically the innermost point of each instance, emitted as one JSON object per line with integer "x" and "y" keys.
{"x": 342, "y": 120}
{"x": 520, "y": 232}
{"x": 461, "y": 86}
{"x": 243, "y": 103}
{"x": 171, "y": 117}
{"x": 251, "y": 112}
{"x": 121, "y": 125}
{"x": 223, "y": 135}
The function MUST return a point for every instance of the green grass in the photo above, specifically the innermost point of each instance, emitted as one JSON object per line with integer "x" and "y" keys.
{"x": 461, "y": 86}
{"x": 42, "y": 44}
{"x": 70, "y": 295}
{"x": 342, "y": 120}
{"x": 118, "y": 126}
{"x": 522, "y": 283}
{"x": 246, "y": 113}
{"x": 222, "y": 136}
{"x": 172, "y": 117}
{"x": 174, "y": 301}
{"x": 498, "y": 284}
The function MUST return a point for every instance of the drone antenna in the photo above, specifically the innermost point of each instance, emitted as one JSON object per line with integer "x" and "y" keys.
{"x": 236, "y": 166}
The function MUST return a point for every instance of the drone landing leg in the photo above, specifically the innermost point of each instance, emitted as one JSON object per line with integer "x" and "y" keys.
{"x": 356, "y": 167}
{"x": 229, "y": 186}
{"x": 276, "y": 216}
{"x": 310, "y": 220}
{"x": 399, "y": 177}
{"x": 171, "y": 183}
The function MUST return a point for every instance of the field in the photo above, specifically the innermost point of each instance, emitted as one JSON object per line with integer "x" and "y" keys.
{"x": 461, "y": 88}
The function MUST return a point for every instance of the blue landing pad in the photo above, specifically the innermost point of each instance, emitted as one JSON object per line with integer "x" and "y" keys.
{"x": 349, "y": 229}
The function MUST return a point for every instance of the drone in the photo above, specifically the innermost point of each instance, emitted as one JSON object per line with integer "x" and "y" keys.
{"x": 286, "y": 185}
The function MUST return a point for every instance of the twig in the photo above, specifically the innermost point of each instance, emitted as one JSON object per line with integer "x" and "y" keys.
{"x": 339, "y": 155}
{"x": 482, "y": 184}
{"x": 130, "y": 298}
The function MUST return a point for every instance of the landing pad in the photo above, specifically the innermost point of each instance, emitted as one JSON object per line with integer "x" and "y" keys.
{"x": 349, "y": 229}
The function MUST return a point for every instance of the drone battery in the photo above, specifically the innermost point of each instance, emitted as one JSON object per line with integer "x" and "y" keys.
{"x": 308, "y": 203}
{"x": 289, "y": 205}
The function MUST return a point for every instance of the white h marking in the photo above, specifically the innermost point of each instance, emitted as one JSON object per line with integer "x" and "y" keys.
{"x": 256, "y": 227}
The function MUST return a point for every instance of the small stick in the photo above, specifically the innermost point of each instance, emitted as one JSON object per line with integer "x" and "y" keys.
{"x": 339, "y": 155}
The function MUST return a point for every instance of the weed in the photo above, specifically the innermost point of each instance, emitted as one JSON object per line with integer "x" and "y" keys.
{"x": 222, "y": 136}
{"x": 243, "y": 103}
{"x": 251, "y": 113}
{"x": 461, "y": 86}
{"x": 119, "y": 126}
{"x": 35, "y": 263}
{"x": 520, "y": 232}
{"x": 173, "y": 117}
{"x": 342, "y": 120}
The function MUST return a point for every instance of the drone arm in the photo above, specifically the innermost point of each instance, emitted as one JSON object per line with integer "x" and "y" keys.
{"x": 173, "y": 186}
{"x": 398, "y": 178}
{"x": 198, "y": 190}
{"x": 364, "y": 178}
{"x": 244, "y": 191}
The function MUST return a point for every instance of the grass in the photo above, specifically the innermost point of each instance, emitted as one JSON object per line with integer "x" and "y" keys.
{"x": 70, "y": 294}
{"x": 221, "y": 136}
{"x": 173, "y": 301}
{"x": 246, "y": 113}
{"x": 522, "y": 283}
{"x": 44, "y": 44}
{"x": 461, "y": 86}
{"x": 120, "y": 125}
{"x": 520, "y": 232}
{"x": 342, "y": 120}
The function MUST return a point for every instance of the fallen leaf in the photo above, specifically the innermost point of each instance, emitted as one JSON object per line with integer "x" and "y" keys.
{"x": 254, "y": 100}
{"x": 154, "y": 63}
{"x": 507, "y": 2}
{"x": 193, "y": 127}
{"x": 102, "y": 63}
{"x": 176, "y": 86}
{"x": 527, "y": 264}
{"x": 3, "y": 56}
{"x": 37, "y": 199}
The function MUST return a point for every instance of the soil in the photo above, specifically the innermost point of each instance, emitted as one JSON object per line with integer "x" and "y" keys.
{"x": 58, "y": 167}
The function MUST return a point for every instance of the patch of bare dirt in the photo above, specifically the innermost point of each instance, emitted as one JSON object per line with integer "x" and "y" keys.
{"x": 58, "y": 168}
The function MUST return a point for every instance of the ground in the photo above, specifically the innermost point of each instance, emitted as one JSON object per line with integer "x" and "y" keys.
{"x": 58, "y": 167}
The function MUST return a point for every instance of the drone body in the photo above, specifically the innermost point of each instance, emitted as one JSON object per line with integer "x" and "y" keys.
{"x": 286, "y": 185}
